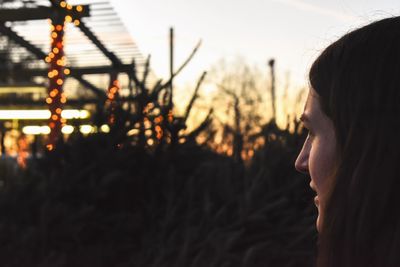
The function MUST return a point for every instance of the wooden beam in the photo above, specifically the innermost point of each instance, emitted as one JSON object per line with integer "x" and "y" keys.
{"x": 125, "y": 68}
{"x": 40, "y": 13}
{"x": 41, "y": 55}
{"x": 90, "y": 35}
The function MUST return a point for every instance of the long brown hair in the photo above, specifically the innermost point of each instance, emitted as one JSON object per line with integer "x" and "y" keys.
{"x": 357, "y": 79}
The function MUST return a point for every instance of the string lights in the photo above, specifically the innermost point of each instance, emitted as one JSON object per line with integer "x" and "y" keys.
{"x": 112, "y": 94}
{"x": 58, "y": 71}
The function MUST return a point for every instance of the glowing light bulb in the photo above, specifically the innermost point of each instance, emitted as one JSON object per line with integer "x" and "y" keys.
{"x": 67, "y": 129}
{"x": 53, "y": 93}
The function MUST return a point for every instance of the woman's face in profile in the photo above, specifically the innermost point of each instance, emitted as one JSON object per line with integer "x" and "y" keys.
{"x": 317, "y": 157}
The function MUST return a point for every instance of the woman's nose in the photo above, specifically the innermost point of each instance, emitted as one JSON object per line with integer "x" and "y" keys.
{"x": 301, "y": 163}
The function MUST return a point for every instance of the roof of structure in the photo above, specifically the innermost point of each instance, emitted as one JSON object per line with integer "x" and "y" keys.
{"x": 98, "y": 45}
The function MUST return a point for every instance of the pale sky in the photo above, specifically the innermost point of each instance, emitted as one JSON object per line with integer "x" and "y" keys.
{"x": 291, "y": 31}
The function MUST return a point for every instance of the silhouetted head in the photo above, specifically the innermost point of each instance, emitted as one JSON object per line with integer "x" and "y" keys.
{"x": 356, "y": 83}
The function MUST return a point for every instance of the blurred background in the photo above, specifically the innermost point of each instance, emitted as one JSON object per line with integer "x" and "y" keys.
{"x": 160, "y": 133}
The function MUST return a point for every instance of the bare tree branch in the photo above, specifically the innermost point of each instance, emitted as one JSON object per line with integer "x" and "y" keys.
{"x": 194, "y": 97}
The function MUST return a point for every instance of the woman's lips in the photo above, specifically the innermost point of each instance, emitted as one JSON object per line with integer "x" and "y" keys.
{"x": 316, "y": 200}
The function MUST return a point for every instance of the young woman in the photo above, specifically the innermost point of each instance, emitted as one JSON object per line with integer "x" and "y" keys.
{"x": 352, "y": 152}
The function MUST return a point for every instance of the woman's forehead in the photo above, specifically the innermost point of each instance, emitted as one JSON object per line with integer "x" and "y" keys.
{"x": 312, "y": 105}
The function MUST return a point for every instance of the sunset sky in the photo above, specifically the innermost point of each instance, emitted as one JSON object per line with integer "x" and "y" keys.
{"x": 291, "y": 31}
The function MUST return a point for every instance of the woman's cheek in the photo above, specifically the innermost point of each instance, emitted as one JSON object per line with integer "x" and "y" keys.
{"x": 322, "y": 164}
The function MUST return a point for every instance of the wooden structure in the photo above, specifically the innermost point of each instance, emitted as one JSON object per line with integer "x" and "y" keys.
{"x": 63, "y": 45}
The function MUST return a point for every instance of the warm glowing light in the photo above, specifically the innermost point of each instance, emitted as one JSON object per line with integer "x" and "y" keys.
{"x": 49, "y": 100}
{"x": 55, "y": 72}
{"x": 56, "y": 50}
{"x": 54, "y": 117}
{"x": 51, "y": 55}
{"x": 132, "y": 132}
{"x": 86, "y": 129}
{"x": 68, "y": 18}
{"x": 59, "y": 27}
{"x": 50, "y": 75}
{"x": 170, "y": 116}
{"x": 158, "y": 119}
{"x": 60, "y": 81}
{"x": 63, "y": 4}
{"x": 79, "y": 8}
{"x": 77, "y": 22}
{"x": 159, "y": 132}
{"x": 54, "y": 35}
{"x": 35, "y": 130}
{"x": 59, "y": 45}
{"x": 67, "y": 129}
{"x": 58, "y": 110}
{"x": 148, "y": 132}
{"x": 69, "y": 7}
{"x": 75, "y": 114}
{"x": 250, "y": 153}
{"x": 150, "y": 142}
{"x": 49, "y": 147}
{"x": 47, "y": 59}
{"x": 67, "y": 71}
{"x": 52, "y": 27}
{"x": 105, "y": 128}
{"x": 36, "y": 114}
{"x": 53, "y": 92}
{"x": 147, "y": 124}
{"x": 63, "y": 100}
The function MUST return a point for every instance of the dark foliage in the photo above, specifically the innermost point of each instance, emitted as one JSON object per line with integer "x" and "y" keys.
{"x": 93, "y": 203}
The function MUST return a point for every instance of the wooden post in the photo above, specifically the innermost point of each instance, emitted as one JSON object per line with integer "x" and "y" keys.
{"x": 271, "y": 64}
{"x": 56, "y": 97}
{"x": 171, "y": 65}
